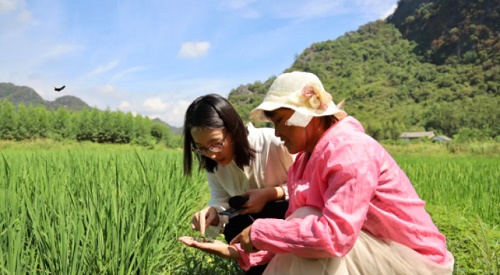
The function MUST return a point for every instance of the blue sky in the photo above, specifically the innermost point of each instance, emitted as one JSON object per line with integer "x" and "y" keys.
{"x": 154, "y": 57}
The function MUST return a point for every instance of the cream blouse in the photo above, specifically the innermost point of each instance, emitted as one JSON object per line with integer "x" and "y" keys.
{"x": 268, "y": 169}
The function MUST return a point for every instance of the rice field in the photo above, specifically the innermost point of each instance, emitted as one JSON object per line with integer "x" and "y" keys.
{"x": 471, "y": 184}
{"x": 93, "y": 212}
{"x": 103, "y": 210}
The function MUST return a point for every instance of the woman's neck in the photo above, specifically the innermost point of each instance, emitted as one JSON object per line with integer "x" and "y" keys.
{"x": 316, "y": 133}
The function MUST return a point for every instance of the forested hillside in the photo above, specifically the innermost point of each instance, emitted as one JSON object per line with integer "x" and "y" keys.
{"x": 411, "y": 78}
{"x": 26, "y": 95}
{"x": 451, "y": 31}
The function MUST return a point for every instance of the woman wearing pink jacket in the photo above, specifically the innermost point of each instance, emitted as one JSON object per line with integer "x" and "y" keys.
{"x": 352, "y": 210}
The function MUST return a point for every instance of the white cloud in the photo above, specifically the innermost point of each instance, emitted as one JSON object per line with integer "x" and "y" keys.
{"x": 15, "y": 21}
{"x": 389, "y": 12}
{"x": 194, "y": 49}
{"x": 175, "y": 114}
{"x": 20, "y": 16}
{"x": 171, "y": 112}
{"x": 100, "y": 96}
{"x": 377, "y": 8}
{"x": 155, "y": 104}
{"x": 24, "y": 16}
{"x": 125, "y": 72}
{"x": 104, "y": 68}
{"x": 59, "y": 50}
{"x": 124, "y": 105}
{"x": 9, "y": 5}
{"x": 107, "y": 89}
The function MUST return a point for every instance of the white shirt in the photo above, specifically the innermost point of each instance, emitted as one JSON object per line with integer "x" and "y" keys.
{"x": 268, "y": 169}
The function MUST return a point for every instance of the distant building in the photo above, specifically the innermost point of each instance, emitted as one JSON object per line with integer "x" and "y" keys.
{"x": 442, "y": 138}
{"x": 407, "y": 136}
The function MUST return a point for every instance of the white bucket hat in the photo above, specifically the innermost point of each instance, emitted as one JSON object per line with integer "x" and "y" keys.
{"x": 301, "y": 92}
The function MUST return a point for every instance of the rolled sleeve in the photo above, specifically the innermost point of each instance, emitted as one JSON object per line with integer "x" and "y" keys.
{"x": 248, "y": 260}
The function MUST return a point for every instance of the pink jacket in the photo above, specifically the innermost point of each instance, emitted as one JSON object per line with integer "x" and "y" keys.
{"x": 358, "y": 186}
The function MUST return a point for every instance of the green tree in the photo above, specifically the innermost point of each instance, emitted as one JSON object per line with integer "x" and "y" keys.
{"x": 108, "y": 130}
{"x": 95, "y": 120}
{"x": 128, "y": 127}
{"x": 25, "y": 122}
{"x": 8, "y": 120}
{"x": 84, "y": 127}
{"x": 43, "y": 123}
{"x": 160, "y": 132}
{"x": 62, "y": 124}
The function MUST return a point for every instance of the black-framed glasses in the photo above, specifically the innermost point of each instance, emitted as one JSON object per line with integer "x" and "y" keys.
{"x": 216, "y": 148}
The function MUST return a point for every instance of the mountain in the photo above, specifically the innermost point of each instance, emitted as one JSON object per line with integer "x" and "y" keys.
{"x": 68, "y": 102}
{"x": 28, "y": 96}
{"x": 18, "y": 94}
{"x": 432, "y": 65}
{"x": 174, "y": 130}
{"x": 444, "y": 29}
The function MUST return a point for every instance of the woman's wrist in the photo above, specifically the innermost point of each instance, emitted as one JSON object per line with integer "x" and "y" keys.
{"x": 274, "y": 193}
{"x": 281, "y": 192}
{"x": 233, "y": 252}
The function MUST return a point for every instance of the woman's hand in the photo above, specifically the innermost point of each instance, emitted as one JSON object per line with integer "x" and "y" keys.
{"x": 204, "y": 218}
{"x": 244, "y": 240}
{"x": 257, "y": 199}
{"x": 217, "y": 248}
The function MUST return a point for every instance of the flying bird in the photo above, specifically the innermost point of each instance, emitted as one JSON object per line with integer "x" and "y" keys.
{"x": 59, "y": 89}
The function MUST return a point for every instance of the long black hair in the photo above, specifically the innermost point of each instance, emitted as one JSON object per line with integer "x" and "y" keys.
{"x": 215, "y": 112}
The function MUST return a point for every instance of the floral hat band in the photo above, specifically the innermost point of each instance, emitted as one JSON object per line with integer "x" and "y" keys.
{"x": 301, "y": 92}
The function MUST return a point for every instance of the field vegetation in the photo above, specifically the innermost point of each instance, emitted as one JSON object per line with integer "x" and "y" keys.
{"x": 86, "y": 208}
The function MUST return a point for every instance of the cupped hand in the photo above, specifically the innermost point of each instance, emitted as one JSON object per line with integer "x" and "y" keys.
{"x": 217, "y": 247}
{"x": 202, "y": 219}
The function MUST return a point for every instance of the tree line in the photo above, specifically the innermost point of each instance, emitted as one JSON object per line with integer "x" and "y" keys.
{"x": 91, "y": 124}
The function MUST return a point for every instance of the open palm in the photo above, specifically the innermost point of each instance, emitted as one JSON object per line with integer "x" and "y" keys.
{"x": 217, "y": 247}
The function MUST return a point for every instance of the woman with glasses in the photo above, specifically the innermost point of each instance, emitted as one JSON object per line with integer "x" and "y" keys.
{"x": 352, "y": 209}
{"x": 239, "y": 160}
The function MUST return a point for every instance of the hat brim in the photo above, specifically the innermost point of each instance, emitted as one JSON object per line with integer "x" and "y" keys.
{"x": 258, "y": 113}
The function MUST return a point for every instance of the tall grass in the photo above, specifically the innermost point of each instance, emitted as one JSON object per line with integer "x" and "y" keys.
{"x": 80, "y": 212}
{"x": 469, "y": 184}
{"x": 463, "y": 197}
{"x": 115, "y": 210}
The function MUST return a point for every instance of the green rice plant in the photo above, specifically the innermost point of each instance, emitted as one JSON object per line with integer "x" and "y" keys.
{"x": 489, "y": 250}
{"x": 471, "y": 241}
{"x": 470, "y": 184}
{"x": 116, "y": 210}
{"x": 80, "y": 212}
{"x": 463, "y": 197}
